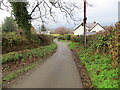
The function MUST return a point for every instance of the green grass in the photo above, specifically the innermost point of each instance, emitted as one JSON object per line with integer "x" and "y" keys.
{"x": 73, "y": 45}
{"x": 37, "y": 52}
{"x": 62, "y": 40}
{"x": 99, "y": 67}
{"x": 22, "y": 55}
{"x": 55, "y": 34}
{"x": 13, "y": 75}
{"x": 100, "y": 70}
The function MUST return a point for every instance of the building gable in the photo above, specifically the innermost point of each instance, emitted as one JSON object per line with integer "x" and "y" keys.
{"x": 91, "y": 27}
{"x": 78, "y": 27}
{"x": 97, "y": 28}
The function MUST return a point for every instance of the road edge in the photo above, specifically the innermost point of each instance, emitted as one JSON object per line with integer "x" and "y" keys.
{"x": 85, "y": 79}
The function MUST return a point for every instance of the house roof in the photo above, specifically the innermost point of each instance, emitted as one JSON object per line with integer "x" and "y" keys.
{"x": 89, "y": 25}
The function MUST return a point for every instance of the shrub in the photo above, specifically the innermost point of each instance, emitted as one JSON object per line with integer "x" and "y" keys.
{"x": 61, "y": 37}
{"x": 101, "y": 58}
{"x": 45, "y": 39}
{"x": 77, "y": 39}
{"x": 15, "y": 42}
{"x": 64, "y": 37}
{"x": 12, "y": 39}
{"x": 68, "y": 37}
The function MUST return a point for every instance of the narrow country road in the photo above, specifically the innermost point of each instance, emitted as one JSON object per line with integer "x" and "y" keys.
{"x": 58, "y": 71}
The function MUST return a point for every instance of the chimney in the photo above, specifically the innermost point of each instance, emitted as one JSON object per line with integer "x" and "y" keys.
{"x": 94, "y": 22}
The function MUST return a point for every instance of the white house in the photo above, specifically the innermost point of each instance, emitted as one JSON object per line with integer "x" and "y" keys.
{"x": 91, "y": 28}
{"x": 45, "y": 32}
{"x": 48, "y": 32}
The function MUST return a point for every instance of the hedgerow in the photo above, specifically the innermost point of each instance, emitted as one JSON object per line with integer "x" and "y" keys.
{"x": 14, "y": 42}
{"x": 64, "y": 37}
{"x": 22, "y": 55}
{"x": 101, "y": 58}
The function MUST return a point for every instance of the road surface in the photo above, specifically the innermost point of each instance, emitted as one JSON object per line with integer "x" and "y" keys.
{"x": 58, "y": 71}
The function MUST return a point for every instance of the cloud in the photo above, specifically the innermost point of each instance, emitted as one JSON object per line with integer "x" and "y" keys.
{"x": 104, "y": 11}
{"x": 3, "y": 14}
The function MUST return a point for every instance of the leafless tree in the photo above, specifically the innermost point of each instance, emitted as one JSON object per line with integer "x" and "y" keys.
{"x": 48, "y": 9}
{"x": 60, "y": 30}
{"x": 44, "y": 10}
{"x": 4, "y": 5}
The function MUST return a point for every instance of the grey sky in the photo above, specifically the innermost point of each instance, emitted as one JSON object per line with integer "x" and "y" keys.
{"x": 104, "y": 12}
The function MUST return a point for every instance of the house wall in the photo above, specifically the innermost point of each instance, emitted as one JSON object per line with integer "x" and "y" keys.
{"x": 79, "y": 31}
{"x": 46, "y": 32}
{"x": 97, "y": 28}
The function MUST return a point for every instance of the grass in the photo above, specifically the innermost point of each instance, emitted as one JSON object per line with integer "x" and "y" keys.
{"x": 62, "y": 40}
{"x": 74, "y": 45}
{"x": 22, "y": 55}
{"x": 13, "y": 75}
{"x": 37, "y": 52}
{"x": 98, "y": 66}
{"x": 55, "y": 34}
{"x": 100, "y": 70}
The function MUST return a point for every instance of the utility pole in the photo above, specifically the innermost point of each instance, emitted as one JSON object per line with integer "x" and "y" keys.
{"x": 84, "y": 22}
{"x": 39, "y": 30}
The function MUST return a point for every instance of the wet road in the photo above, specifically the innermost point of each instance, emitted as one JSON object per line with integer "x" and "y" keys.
{"x": 58, "y": 71}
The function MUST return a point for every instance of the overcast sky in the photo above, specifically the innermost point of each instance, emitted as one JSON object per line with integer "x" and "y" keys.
{"x": 104, "y": 12}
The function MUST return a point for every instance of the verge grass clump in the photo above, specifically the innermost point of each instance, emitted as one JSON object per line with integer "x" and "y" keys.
{"x": 22, "y": 55}
{"x": 101, "y": 57}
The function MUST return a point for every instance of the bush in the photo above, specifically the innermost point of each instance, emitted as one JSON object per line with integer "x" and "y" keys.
{"x": 12, "y": 39}
{"x": 45, "y": 39}
{"x": 77, "y": 39}
{"x": 61, "y": 37}
{"x": 15, "y": 42}
{"x": 101, "y": 57}
{"x": 68, "y": 37}
{"x": 99, "y": 66}
{"x": 64, "y": 37}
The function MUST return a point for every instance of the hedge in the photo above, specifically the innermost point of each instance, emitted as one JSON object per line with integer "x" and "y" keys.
{"x": 15, "y": 42}
{"x": 22, "y": 55}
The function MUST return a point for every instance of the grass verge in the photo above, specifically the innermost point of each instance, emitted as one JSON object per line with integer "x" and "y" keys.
{"x": 13, "y": 75}
{"x": 63, "y": 41}
{"x": 22, "y": 55}
{"x": 99, "y": 67}
{"x": 16, "y": 63}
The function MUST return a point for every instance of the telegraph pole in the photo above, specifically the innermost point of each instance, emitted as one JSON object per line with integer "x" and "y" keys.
{"x": 84, "y": 22}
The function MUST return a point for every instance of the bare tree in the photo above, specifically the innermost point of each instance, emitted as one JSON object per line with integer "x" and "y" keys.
{"x": 44, "y": 10}
{"x": 60, "y": 30}
{"x": 4, "y": 5}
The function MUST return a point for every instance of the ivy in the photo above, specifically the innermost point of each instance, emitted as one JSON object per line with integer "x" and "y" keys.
{"x": 22, "y": 17}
